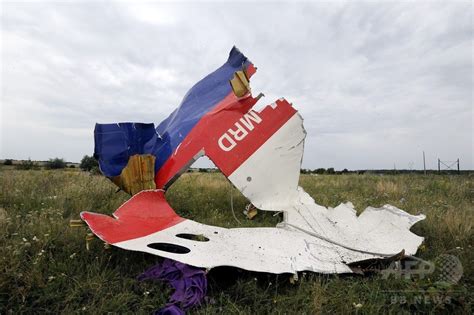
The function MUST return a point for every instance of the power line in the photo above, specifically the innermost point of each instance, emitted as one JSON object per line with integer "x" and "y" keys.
{"x": 448, "y": 166}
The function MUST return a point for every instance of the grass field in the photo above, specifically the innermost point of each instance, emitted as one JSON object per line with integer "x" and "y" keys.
{"x": 45, "y": 267}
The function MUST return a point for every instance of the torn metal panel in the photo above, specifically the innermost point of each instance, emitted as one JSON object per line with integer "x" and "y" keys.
{"x": 269, "y": 179}
{"x": 269, "y": 175}
{"x": 274, "y": 250}
{"x": 115, "y": 143}
{"x": 260, "y": 152}
{"x": 147, "y": 223}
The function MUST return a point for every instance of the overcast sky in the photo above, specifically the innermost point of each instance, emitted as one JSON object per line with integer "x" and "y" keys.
{"x": 377, "y": 83}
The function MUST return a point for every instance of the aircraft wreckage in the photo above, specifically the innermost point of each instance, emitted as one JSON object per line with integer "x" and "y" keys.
{"x": 260, "y": 152}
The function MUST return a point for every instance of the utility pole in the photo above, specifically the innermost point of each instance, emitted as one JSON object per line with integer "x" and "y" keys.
{"x": 459, "y": 171}
{"x": 439, "y": 166}
{"x": 424, "y": 163}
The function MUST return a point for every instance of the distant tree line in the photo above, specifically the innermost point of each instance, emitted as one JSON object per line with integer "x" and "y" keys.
{"x": 90, "y": 164}
{"x": 321, "y": 171}
{"x": 27, "y": 165}
{"x": 52, "y": 164}
{"x": 331, "y": 171}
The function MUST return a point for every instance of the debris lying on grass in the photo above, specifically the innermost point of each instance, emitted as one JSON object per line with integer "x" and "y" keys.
{"x": 189, "y": 283}
{"x": 250, "y": 211}
{"x": 260, "y": 152}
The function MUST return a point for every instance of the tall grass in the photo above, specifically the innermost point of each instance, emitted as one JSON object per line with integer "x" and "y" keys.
{"x": 45, "y": 267}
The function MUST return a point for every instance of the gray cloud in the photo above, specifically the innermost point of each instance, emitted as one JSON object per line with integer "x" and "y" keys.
{"x": 376, "y": 83}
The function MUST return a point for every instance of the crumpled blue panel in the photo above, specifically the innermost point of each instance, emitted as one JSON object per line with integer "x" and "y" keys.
{"x": 199, "y": 100}
{"x": 115, "y": 143}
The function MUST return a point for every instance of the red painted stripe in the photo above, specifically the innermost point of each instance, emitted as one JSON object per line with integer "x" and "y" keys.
{"x": 196, "y": 140}
{"x": 272, "y": 119}
{"x": 206, "y": 134}
{"x": 145, "y": 213}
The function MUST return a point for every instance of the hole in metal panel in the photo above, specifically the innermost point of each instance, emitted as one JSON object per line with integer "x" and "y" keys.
{"x": 193, "y": 237}
{"x": 170, "y": 248}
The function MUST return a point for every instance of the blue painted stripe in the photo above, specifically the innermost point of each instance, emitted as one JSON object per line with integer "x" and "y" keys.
{"x": 115, "y": 143}
{"x": 200, "y": 99}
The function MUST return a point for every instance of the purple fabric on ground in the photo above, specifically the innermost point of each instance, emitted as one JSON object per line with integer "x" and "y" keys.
{"x": 170, "y": 309}
{"x": 190, "y": 284}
